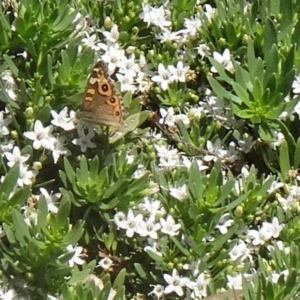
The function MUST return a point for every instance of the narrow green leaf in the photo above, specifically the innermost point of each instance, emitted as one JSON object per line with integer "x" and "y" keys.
{"x": 50, "y": 70}
{"x": 21, "y": 229}
{"x": 270, "y": 37}
{"x": 9, "y": 234}
{"x": 63, "y": 211}
{"x": 84, "y": 171}
{"x": 242, "y": 94}
{"x": 94, "y": 167}
{"x": 69, "y": 170}
{"x": 140, "y": 270}
{"x": 286, "y": 11}
{"x": 10, "y": 180}
{"x": 218, "y": 89}
{"x": 179, "y": 245}
{"x": 296, "y": 163}
{"x": 284, "y": 160}
{"x": 272, "y": 62}
{"x": 120, "y": 279}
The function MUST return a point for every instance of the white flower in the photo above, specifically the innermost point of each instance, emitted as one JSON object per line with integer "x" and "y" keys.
{"x": 84, "y": 141}
{"x": 199, "y": 287}
{"x": 279, "y": 140}
{"x": 175, "y": 283}
{"x": 91, "y": 41}
{"x": 203, "y": 50}
{"x": 192, "y": 25}
{"x": 148, "y": 228}
{"x": 184, "y": 118}
{"x": 51, "y": 200}
{"x": 112, "y": 36}
{"x": 163, "y": 78}
{"x": 59, "y": 148}
{"x": 4, "y": 122}
{"x": 62, "y": 120}
{"x": 158, "y": 291}
{"x": 105, "y": 263}
{"x": 41, "y": 136}
{"x": 224, "y": 59}
{"x": 15, "y": 157}
{"x": 247, "y": 144}
{"x": 114, "y": 58}
{"x": 275, "y": 186}
{"x": 25, "y": 177}
{"x": 127, "y": 83}
{"x": 258, "y": 237}
{"x": 193, "y": 267}
{"x": 155, "y": 15}
{"x": 273, "y": 228}
{"x": 153, "y": 207}
{"x": 120, "y": 219}
{"x": 240, "y": 252}
{"x": 167, "y": 35}
{"x": 169, "y": 226}
{"x": 8, "y": 294}
{"x": 224, "y": 223}
{"x": 131, "y": 224}
{"x": 215, "y": 151}
{"x": 180, "y": 193}
{"x": 130, "y": 67}
{"x": 163, "y": 151}
{"x": 209, "y": 11}
{"x": 178, "y": 73}
{"x": 235, "y": 282}
{"x": 76, "y": 257}
{"x": 167, "y": 116}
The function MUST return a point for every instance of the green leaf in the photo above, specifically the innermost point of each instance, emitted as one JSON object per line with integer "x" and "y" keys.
{"x": 69, "y": 170}
{"x": 120, "y": 279}
{"x": 20, "y": 196}
{"x": 286, "y": 11}
{"x": 63, "y": 211}
{"x": 272, "y": 62}
{"x": 179, "y": 245}
{"x": 270, "y": 37}
{"x": 296, "y": 160}
{"x": 257, "y": 91}
{"x": 284, "y": 160}
{"x": 140, "y": 270}
{"x": 94, "y": 167}
{"x": 75, "y": 234}
{"x": 84, "y": 171}
{"x": 242, "y": 94}
{"x": 21, "y": 229}
{"x": 10, "y": 180}
{"x": 218, "y": 89}
{"x": 11, "y": 65}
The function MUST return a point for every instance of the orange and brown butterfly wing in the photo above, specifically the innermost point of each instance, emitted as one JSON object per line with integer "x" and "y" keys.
{"x": 101, "y": 104}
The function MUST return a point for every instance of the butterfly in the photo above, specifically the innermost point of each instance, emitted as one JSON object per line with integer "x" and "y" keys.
{"x": 101, "y": 103}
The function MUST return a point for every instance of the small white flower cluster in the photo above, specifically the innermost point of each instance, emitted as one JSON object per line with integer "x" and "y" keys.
{"x": 159, "y": 18}
{"x": 147, "y": 221}
{"x": 170, "y": 74}
{"x": 42, "y": 137}
{"x": 176, "y": 284}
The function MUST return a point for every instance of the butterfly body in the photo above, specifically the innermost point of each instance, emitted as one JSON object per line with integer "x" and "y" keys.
{"x": 101, "y": 103}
